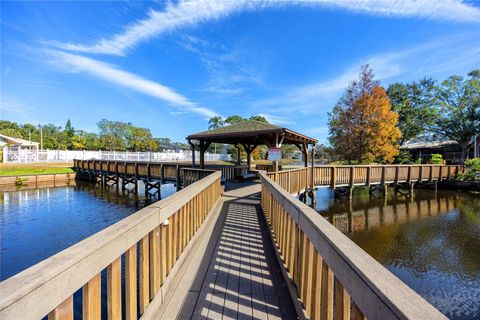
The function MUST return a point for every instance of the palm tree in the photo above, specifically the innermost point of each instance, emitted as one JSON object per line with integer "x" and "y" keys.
{"x": 215, "y": 123}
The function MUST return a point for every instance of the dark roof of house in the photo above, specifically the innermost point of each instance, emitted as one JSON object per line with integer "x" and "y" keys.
{"x": 251, "y": 132}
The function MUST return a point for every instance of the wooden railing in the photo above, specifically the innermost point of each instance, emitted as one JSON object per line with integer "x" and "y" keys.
{"x": 191, "y": 175}
{"x": 152, "y": 170}
{"x": 156, "y": 235}
{"x": 296, "y": 180}
{"x": 267, "y": 167}
{"x": 332, "y": 276}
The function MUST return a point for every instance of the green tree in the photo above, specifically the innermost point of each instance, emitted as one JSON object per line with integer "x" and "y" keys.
{"x": 362, "y": 124}
{"x": 259, "y": 118}
{"x": 458, "y": 105}
{"x": 415, "y": 104}
{"x": 113, "y": 135}
{"x": 215, "y": 123}
{"x": 10, "y": 132}
{"x": 234, "y": 119}
{"x": 141, "y": 139}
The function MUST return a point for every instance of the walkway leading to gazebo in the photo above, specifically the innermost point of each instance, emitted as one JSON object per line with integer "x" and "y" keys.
{"x": 243, "y": 279}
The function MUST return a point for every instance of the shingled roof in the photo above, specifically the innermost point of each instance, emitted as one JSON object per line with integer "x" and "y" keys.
{"x": 251, "y": 131}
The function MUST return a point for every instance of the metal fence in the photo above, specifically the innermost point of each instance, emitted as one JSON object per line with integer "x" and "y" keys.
{"x": 16, "y": 155}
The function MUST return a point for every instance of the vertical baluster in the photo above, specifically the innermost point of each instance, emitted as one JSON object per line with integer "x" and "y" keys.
{"x": 342, "y": 302}
{"x": 357, "y": 314}
{"x": 91, "y": 295}
{"x": 144, "y": 293}
{"x": 309, "y": 285}
{"x": 64, "y": 311}
{"x": 114, "y": 290}
{"x": 163, "y": 253}
{"x": 327, "y": 292}
{"x": 130, "y": 283}
{"x": 154, "y": 250}
{"x": 317, "y": 286}
{"x": 170, "y": 243}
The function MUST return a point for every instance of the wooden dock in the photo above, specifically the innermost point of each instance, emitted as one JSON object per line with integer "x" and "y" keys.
{"x": 243, "y": 279}
{"x": 205, "y": 254}
{"x": 152, "y": 174}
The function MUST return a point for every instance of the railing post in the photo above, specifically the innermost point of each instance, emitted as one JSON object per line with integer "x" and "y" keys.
{"x": 334, "y": 177}
{"x": 369, "y": 175}
{"x": 352, "y": 176}
{"x": 430, "y": 176}
{"x": 397, "y": 168}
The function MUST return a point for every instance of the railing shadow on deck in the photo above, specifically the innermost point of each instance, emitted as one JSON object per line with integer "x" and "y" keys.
{"x": 240, "y": 281}
{"x": 157, "y": 235}
{"x": 329, "y": 275}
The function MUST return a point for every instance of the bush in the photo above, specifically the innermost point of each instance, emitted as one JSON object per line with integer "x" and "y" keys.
{"x": 473, "y": 165}
{"x": 473, "y": 169}
{"x": 436, "y": 158}
{"x": 404, "y": 157}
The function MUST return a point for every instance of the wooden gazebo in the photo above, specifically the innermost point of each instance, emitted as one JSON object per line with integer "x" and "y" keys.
{"x": 251, "y": 134}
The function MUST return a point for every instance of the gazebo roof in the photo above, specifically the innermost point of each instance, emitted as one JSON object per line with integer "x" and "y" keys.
{"x": 252, "y": 132}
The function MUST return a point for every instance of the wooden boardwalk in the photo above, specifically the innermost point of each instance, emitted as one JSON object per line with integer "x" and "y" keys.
{"x": 243, "y": 279}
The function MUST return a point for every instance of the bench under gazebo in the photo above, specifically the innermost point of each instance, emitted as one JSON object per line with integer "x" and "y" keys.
{"x": 251, "y": 134}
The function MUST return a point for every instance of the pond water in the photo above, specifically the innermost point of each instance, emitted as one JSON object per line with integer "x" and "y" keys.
{"x": 430, "y": 240}
{"x": 38, "y": 223}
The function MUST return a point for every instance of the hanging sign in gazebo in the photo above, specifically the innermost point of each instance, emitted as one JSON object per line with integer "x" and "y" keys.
{"x": 274, "y": 154}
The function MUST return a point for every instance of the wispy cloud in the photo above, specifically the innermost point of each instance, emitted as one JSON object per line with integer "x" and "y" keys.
{"x": 276, "y": 119}
{"x": 174, "y": 16}
{"x": 76, "y": 63}
{"x": 190, "y": 13}
{"x": 228, "y": 69}
{"x": 433, "y": 58}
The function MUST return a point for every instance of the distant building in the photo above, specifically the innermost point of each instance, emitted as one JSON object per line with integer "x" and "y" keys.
{"x": 17, "y": 147}
{"x": 450, "y": 150}
{"x": 6, "y": 141}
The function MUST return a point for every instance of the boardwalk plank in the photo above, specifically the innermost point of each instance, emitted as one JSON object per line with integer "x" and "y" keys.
{"x": 243, "y": 279}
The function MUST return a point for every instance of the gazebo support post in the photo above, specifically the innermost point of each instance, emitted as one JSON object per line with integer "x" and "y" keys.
{"x": 305, "y": 154}
{"x": 203, "y": 147}
{"x": 193, "y": 152}
{"x": 249, "y": 149}
{"x": 312, "y": 179}
{"x": 238, "y": 155}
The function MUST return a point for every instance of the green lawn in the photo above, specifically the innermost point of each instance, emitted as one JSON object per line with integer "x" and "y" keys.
{"x": 29, "y": 169}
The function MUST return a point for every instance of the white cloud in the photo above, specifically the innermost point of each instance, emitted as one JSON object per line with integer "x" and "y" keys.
{"x": 189, "y": 13}
{"x": 444, "y": 10}
{"x": 275, "y": 119}
{"x": 428, "y": 59}
{"x": 185, "y": 13}
{"x": 228, "y": 69}
{"x": 76, "y": 63}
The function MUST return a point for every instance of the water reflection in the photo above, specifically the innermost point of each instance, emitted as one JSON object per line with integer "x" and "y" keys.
{"x": 38, "y": 223}
{"x": 430, "y": 240}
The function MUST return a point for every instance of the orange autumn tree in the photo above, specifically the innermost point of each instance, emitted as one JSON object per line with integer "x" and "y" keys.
{"x": 363, "y": 127}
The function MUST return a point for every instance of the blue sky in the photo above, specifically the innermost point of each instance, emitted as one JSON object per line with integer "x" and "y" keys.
{"x": 169, "y": 66}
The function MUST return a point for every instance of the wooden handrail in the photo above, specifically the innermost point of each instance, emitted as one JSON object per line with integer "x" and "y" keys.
{"x": 325, "y": 264}
{"x": 191, "y": 175}
{"x": 152, "y": 170}
{"x": 47, "y": 287}
{"x": 334, "y": 176}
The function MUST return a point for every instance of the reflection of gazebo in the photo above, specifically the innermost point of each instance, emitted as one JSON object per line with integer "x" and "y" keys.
{"x": 251, "y": 134}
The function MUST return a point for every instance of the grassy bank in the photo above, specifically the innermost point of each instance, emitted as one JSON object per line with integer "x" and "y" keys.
{"x": 32, "y": 168}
